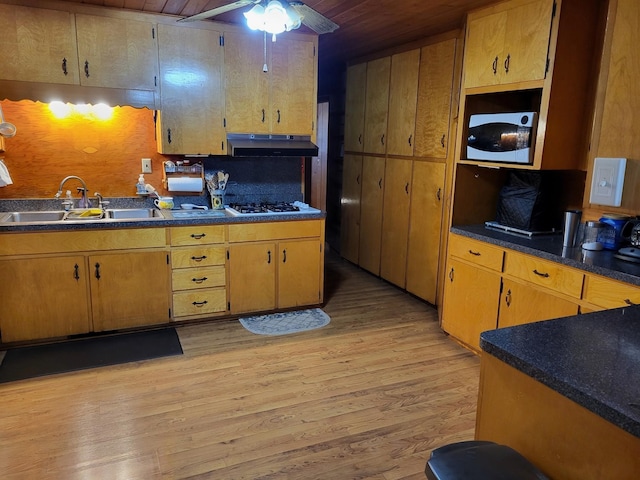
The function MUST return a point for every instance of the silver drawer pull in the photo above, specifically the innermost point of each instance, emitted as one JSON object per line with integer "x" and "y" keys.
{"x": 545, "y": 275}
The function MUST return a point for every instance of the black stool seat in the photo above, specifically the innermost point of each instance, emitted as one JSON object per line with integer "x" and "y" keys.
{"x": 479, "y": 460}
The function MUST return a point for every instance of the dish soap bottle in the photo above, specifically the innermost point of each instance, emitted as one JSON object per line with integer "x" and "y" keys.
{"x": 68, "y": 202}
{"x": 140, "y": 186}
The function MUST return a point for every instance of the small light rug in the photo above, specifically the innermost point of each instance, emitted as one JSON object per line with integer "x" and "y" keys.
{"x": 287, "y": 322}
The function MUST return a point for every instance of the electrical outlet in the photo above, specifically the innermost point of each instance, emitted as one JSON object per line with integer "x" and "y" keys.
{"x": 607, "y": 181}
{"x": 146, "y": 165}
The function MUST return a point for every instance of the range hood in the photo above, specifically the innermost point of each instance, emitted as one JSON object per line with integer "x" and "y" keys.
{"x": 257, "y": 145}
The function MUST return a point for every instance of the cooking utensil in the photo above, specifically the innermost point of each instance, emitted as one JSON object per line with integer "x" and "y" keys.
{"x": 7, "y": 129}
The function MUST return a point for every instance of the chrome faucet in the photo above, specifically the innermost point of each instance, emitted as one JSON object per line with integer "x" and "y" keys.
{"x": 84, "y": 201}
{"x": 101, "y": 201}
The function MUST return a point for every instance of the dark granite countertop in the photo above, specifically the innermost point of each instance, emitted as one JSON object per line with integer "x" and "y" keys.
{"x": 550, "y": 247}
{"x": 592, "y": 359}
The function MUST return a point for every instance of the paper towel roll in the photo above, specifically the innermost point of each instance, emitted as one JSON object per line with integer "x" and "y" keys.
{"x": 185, "y": 184}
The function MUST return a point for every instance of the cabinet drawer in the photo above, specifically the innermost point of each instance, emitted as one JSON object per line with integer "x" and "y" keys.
{"x": 192, "y": 278}
{"x": 249, "y": 232}
{"x": 197, "y": 257}
{"x": 547, "y": 274}
{"x": 197, "y": 235}
{"x": 479, "y": 253}
{"x": 610, "y": 294}
{"x": 199, "y": 302}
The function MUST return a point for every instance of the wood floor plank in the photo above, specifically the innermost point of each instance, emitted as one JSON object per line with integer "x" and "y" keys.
{"x": 366, "y": 397}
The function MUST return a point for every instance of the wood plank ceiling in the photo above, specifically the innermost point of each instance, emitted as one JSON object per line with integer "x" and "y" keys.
{"x": 366, "y": 26}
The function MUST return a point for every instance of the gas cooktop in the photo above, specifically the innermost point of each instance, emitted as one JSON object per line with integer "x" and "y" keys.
{"x": 279, "y": 208}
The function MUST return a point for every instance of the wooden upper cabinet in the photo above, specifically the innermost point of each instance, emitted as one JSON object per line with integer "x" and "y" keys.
{"x": 350, "y": 210}
{"x": 403, "y": 94}
{"x": 355, "y": 104}
{"x": 246, "y": 86}
{"x": 38, "y": 45}
{"x": 281, "y": 100}
{"x": 508, "y": 45}
{"x": 191, "y": 120}
{"x": 117, "y": 53}
{"x": 376, "y": 105}
{"x": 434, "y": 99}
{"x": 293, "y": 95}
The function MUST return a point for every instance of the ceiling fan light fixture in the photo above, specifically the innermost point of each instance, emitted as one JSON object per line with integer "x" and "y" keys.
{"x": 274, "y": 18}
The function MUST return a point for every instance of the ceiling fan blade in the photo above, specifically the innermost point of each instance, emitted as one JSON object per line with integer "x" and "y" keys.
{"x": 312, "y": 19}
{"x": 218, "y": 10}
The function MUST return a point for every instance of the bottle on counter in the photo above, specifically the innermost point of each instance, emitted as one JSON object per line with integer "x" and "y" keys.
{"x": 141, "y": 186}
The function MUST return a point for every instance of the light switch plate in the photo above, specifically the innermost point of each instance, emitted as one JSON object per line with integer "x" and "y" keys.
{"x": 146, "y": 165}
{"x": 607, "y": 181}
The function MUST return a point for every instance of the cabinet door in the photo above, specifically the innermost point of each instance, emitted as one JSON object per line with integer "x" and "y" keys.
{"x": 425, "y": 221}
{"x": 44, "y": 297}
{"x": 371, "y": 213}
{"x": 117, "y": 53}
{"x": 299, "y": 273}
{"x": 191, "y": 118}
{"x": 485, "y": 38}
{"x": 293, "y": 97}
{"x": 395, "y": 220}
{"x": 522, "y": 303}
{"x": 246, "y": 84}
{"x": 434, "y": 99}
{"x": 376, "y": 105}
{"x": 129, "y": 289}
{"x": 252, "y": 277}
{"x": 403, "y": 94}
{"x": 38, "y": 45}
{"x": 350, "y": 209}
{"x": 354, "y": 107}
{"x": 471, "y": 297}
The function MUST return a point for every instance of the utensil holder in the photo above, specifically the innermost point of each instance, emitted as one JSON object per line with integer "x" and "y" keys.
{"x": 217, "y": 199}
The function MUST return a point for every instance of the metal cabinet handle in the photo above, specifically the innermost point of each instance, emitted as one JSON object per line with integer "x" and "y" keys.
{"x": 169, "y": 135}
{"x": 198, "y": 236}
{"x": 438, "y": 194}
{"x": 64, "y": 66}
{"x": 199, "y": 304}
{"x": 76, "y": 272}
{"x": 358, "y": 179}
{"x": 199, "y": 259}
{"x": 284, "y": 255}
{"x": 629, "y": 302}
{"x": 410, "y": 137}
{"x": 86, "y": 68}
{"x": 545, "y": 275}
{"x": 360, "y": 139}
{"x": 506, "y": 63}
{"x": 268, "y": 256}
{"x": 507, "y": 298}
{"x": 278, "y": 116}
{"x": 451, "y": 274}
{"x": 199, "y": 280}
{"x": 263, "y": 118}
{"x": 494, "y": 66}
{"x": 380, "y": 183}
{"x": 97, "y": 273}
{"x": 382, "y": 139}
{"x": 406, "y": 188}
{"x": 475, "y": 254}
{"x": 442, "y": 139}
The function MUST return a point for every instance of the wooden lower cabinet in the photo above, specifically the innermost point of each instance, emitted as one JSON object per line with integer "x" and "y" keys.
{"x": 129, "y": 289}
{"x": 299, "y": 275}
{"x": 471, "y": 296}
{"x": 252, "y": 277}
{"x": 521, "y": 303}
{"x": 44, "y": 297}
{"x": 371, "y": 213}
{"x": 350, "y": 208}
{"x": 603, "y": 293}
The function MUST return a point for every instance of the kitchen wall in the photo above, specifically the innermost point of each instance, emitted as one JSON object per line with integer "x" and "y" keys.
{"x": 107, "y": 154}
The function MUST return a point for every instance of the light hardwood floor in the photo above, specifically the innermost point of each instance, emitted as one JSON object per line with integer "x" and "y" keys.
{"x": 367, "y": 397}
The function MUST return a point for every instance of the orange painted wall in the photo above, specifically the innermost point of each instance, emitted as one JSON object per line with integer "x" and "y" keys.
{"x": 106, "y": 154}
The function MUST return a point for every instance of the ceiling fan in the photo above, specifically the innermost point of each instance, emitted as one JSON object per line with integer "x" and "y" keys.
{"x": 297, "y": 12}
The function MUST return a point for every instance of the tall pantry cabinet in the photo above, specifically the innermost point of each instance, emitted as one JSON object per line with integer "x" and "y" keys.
{"x": 397, "y": 124}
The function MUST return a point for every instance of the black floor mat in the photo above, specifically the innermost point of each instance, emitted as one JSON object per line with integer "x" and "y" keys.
{"x": 28, "y": 362}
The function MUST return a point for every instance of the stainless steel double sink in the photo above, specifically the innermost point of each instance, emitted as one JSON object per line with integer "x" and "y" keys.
{"x": 61, "y": 216}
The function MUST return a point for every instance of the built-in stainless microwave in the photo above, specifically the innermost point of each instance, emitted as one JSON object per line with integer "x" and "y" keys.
{"x": 502, "y": 137}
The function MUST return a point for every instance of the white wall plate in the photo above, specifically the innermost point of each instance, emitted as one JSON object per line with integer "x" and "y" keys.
{"x": 607, "y": 181}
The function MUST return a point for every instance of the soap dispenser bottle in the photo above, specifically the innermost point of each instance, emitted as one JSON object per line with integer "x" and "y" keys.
{"x": 68, "y": 201}
{"x": 140, "y": 186}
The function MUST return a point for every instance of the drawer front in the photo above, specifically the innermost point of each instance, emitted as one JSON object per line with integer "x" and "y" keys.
{"x": 199, "y": 302}
{"x": 610, "y": 294}
{"x": 197, "y": 235}
{"x": 479, "y": 253}
{"x": 193, "y": 278}
{"x": 197, "y": 257}
{"x": 546, "y": 274}
{"x": 251, "y": 232}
